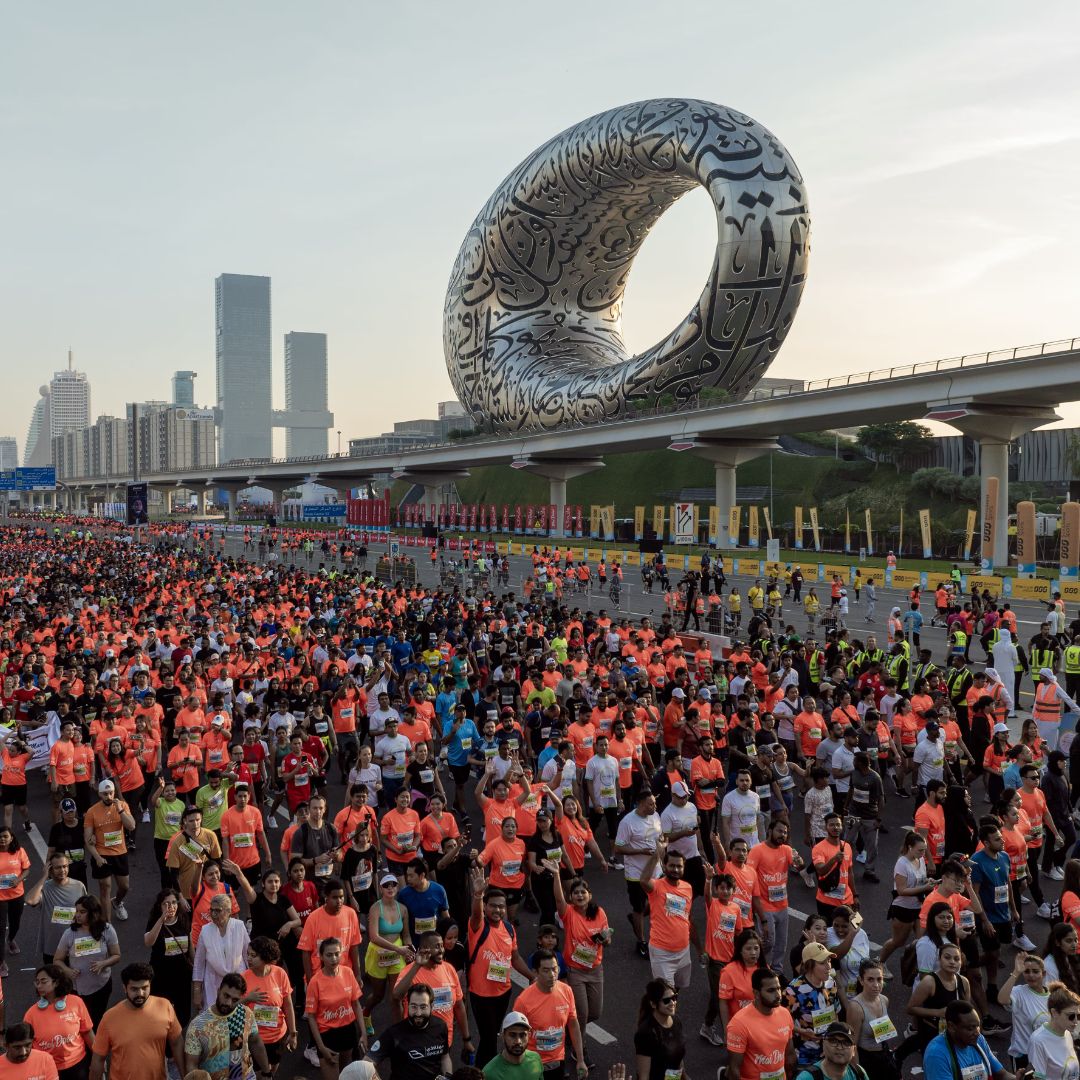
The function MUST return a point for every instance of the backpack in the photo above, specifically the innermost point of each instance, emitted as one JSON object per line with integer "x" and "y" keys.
{"x": 507, "y": 925}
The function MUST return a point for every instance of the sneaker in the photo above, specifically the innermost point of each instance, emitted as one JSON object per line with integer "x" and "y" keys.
{"x": 28, "y": 826}
{"x": 808, "y": 879}
{"x": 991, "y": 1026}
{"x": 889, "y": 976}
{"x": 369, "y": 1027}
{"x": 1056, "y": 873}
{"x": 1025, "y": 899}
{"x": 146, "y": 816}
{"x": 311, "y": 1055}
{"x": 119, "y": 911}
{"x": 861, "y": 857}
{"x": 1025, "y": 943}
{"x": 642, "y": 949}
{"x": 1043, "y": 911}
{"x": 616, "y": 863}
{"x": 710, "y": 1035}
{"x": 903, "y": 793}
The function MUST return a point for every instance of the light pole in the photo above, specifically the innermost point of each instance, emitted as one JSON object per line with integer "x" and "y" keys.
{"x": 339, "y": 444}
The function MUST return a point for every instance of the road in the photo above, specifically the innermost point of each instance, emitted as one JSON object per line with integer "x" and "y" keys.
{"x": 626, "y": 972}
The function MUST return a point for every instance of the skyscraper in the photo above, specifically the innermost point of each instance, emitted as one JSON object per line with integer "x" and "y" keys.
{"x": 305, "y": 392}
{"x": 183, "y": 389}
{"x": 244, "y": 366}
{"x": 69, "y": 404}
{"x": 9, "y": 453}
{"x": 37, "y": 449}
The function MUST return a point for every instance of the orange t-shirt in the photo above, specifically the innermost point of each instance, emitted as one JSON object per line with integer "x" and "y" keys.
{"x": 932, "y": 819}
{"x": 507, "y": 861}
{"x": 345, "y": 926}
{"x": 582, "y": 737}
{"x": 433, "y": 831}
{"x": 762, "y": 1040}
{"x": 549, "y": 1014}
{"x": 669, "y": 909}
{"x": 107, "y": 826}
{"x": 958, "y": 902}
{"x": 823, "y": 851}
{"x": 270, "y": 1012}
{"x": 60, "y": 1033}
{"x": 494, "y": 811}
{"x": 62, "y": 759}
{"x": 133, "y": 1037}
{"x": 735, "y": 985}
{"x": 489, "y": 973}
{"x": 401, "y": 830}
{"x": 1035, "y": 807}
{"x": 810, "y": 729}
{"x": 14, "y": 774}
{"x": 772, "y": 866}
{"x": 575, "y": 835}
{"x": 446, "y": 987}
{"x": 240, "y": 830}
{"x": 722, "y": 923}
{"x": 83, "y": 763}
{"x": 581, "y": 950}
{"x": 12, "y": 866}
{"x": 707, "y": 772}
{"x": 332, "y": 1000}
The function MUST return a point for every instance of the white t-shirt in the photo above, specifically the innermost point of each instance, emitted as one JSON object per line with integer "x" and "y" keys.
{"x": 569, "y": 775}
{"x": 379, "y": 718}
{"x": 1053, "y": 1056}
{"x": 850, "y": 961}
{"x": 1028, "y": 1012}
{"x": 636, "y": 831}
{"x": 397, "y": 748}
{"x": 844, "y": 760}
{"x": 675, "y": 819}
{"x": 914, "y": 875}
{"x": 742, "y": 811}
{"x": 930, "y": 757}
{"x": 602, "y": 776}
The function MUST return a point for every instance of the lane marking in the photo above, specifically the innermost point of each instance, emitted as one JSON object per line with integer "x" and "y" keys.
{"x": 39, "y": 844}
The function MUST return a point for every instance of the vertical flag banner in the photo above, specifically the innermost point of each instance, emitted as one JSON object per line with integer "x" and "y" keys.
{"x": 568, "y": 520}
{"x": 924, "y": 528}
{"x": 798, "y": 528}
{"x": 553, "y": 518}
{"x": 900, "y": 534}
{"x": 754, "y": 538}
{"x": 986, "y": 526}
{"x": 734, "y": 524}
{"x": 847, "y": 531}
{"x": 517, "y": 518}
{"x": 506, "y": 517}
{"x": 594, "y": 520}
{"x": 697, "y": 523}
{"x": 1069, "y": 554}
{"x": 483, "y": 518}
{"x": 714, "y": 525}
{"x": 768, "y": 522}
{"x": 578, "y": 528}
{"x": 639, "y": 522}
{"x": 1025, "y": 539}
{"x": 814, "y": 528}
{"x": 869, "y": 534}
{"x": 493, "y": 523}
{"x": 969, "y": 534}
{"x": 658, "y": 522}
{"x": 607, "y": 522}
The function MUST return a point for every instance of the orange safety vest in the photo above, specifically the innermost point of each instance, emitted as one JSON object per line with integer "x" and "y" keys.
{"x": 1047, "y": 706}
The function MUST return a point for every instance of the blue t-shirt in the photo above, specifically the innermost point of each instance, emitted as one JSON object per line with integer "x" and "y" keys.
{"x": 456, "y": 752}
{"x": 400, "y": 652}
{"x": 991, "y": 874}
{"x": 444, "y": 705}
{"x": 424, "y": 905}
{"x": 973, "y": 1060}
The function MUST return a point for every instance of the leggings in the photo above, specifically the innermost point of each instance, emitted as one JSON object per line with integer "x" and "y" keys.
{"x": 609, "y": 814}
{"x": 712, "y": 1009}
{"x": 879, "y": 1064}
{"x": 97, "y": 1002}
{"x": 160, "y": 849}
{"x": 1056, "y": 856}
{"x": 543, "y": 889}
{"x": 488, "y": 1013}
{"x": 1033, "y": 875}
{"x": 10, "y": 920}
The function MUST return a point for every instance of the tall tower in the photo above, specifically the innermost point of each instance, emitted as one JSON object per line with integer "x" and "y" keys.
{"x": 305, "y": 393}
{"x": 183, "y": 389}
{"x": 37, "y": 450}
{"x": 69, "y": 406}
{"x": 9, "y": 453}
{"x": 244, "y": 366}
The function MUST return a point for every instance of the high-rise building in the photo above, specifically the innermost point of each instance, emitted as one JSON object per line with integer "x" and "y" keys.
{"x": 69, "y": 404}
{"x": 305, "y": 393}
{"x": 9, "y": 453}
{"x": 183, "y": 389}
{"x": 244, "y": 366}
{"x": 38, "y": 447}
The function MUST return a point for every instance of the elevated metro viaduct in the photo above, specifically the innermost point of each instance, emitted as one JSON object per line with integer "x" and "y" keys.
{"x": 993, "y": 397}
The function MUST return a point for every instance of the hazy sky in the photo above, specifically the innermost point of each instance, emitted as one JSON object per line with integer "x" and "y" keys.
{"x": 344, "y": 149}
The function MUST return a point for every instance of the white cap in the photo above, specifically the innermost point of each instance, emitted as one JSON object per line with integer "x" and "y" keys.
{"x": 1001, "y": 729}
{"x": 105, "y": 785}
{"x": 680, "y": 789}
{"x": 678, "y": 692}
{"x": 515, "y": 1019}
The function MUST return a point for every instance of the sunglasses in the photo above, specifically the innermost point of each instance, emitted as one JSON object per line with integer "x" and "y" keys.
{"x": 669, "y": 1000}
{"x": 390, "y": 885}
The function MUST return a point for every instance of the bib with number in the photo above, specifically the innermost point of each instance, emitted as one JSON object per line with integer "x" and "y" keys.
{"x": 584, "y": 955}
{"x": 62, "y": 915}
{"x": 87, "y": 946}
{"x": 549, "y": 1039}
{"x": 511, "y": 867}
{"x": 424, "y": 925}
{"x": 266, "y": 1016}
{"x": 444, "y": 997}
{"x": 176, "y": 946}
{"x": 822, "y": 1018}
{"x": 498, "y": 972}
{"x": 466, "y": 742}
{"x": 8, "y": 881}
{"x": 243, "y": 839}
{"x": 1001, "y": 894}
{"x": 675, "y": 905}
{"x": 778, "y": 893}
{"x": 427, "y": 776}
{"x": 883, "y": 1029}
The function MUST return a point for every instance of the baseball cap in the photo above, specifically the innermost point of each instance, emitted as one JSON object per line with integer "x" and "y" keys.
{"x": 816, "y": 951}
{"x": 678, "y": 692}
{"x": 839, "y": 1030}
{"x": 515, "y": 1019}
{"x": 217, "y": 722}
{"x": 387, "y": 878}
{"x": 105, "y": 785}
{"x": 705, "y": 693}
{"x": 1000, "y": 729}
{"x": 67, "y": 806}
{"x": 680, "y": 789}
{"x": 241, "y": 784}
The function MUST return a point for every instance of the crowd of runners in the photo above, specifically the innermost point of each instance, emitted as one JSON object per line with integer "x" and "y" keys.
{"x": 456, "y": 764}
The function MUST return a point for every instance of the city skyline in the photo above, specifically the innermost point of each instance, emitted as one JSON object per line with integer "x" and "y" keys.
{"x": 910, "y": 145}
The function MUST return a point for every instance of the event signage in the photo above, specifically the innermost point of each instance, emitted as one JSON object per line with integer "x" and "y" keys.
{"x": 682, "y": 523}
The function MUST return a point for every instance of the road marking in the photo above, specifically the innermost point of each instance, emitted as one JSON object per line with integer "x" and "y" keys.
{"x": 39, "y": 845}
{"x": 594, "y": 1031}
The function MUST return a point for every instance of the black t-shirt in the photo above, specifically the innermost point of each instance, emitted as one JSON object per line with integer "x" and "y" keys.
{"x": 545, "y": 850}
{"x": 72, "y": 843}
{"x": 268, "y": 918}
{"x": 665, "y": 1047}
{"x": 414, "y": 1053}
{"x": 416, "y": 777}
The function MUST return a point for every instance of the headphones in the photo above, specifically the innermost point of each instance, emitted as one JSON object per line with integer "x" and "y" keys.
{"x": 59, "y": 1005}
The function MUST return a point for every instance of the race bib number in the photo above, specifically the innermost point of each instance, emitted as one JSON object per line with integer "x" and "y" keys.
{"x": 443, "y": 999}
{"x": 113, "y": 838}
{"x": 498, "y": 972}
{"x": 172, "y": 818}
{"x": 511, "y": 867}
{"x": 821, "y": 1018}
{"x": 266, "y": 1016}
{"x": 860, "y": 795}
{"x": 62, "y": 916}
{"x": 427, "y": 776}
{"x": 1001, "y": 894}
{"x": 243, "y": 840}
{"x": 362, "y": 882}
{"x": 324, "y": 869}
{"x": 8, "y": 881}
{"x": 87, "y": 946}
{"x": 883, "y": 1029}
{"x": 778, "y": 893}
{"x": 424, "y": 925}
{"x": 466, "y": 742}
{"x": 176, "y": 946}
{"x": 192, "y": 850}
{"x": 549, "y": 1039}
{"x": 586, "y": 743}
{"x": 967, "y": 919}
{"x": 301, "y": 779}
{"x": 764, "y": 791}
{"x": 584, "y": 955}
{"x": 744, "y": 907}
{"x": 839, "y": 892}
{"x": 386, "y": 958}
{"x": 973, "y": 1072}
{"x": 675, "y": 906}
{"x": 727, "y": 922}
{"x": 404, "y": 840}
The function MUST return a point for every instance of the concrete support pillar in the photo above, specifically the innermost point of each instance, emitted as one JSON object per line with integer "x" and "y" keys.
{"x": 557, "y": 471}
{"x": 234, "y": 498}
{"x": 995, "y": 427}
{"x": 726, "y": 457}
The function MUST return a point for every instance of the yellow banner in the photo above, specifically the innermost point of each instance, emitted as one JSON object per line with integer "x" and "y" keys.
{"x": 631, "y": 558}
{"x": 658, "y": 521}
{"x": 639, "y": 522}
{"x": 607, "y": 522}
{"x": 734, "y": 524}
{"x": 714, "y": 525}
{"x": 924, "y": 528}
{"x": 754, "y": 536}
{"x": 594, "y": 520}
{"x": 768, "y": 522}
{"x": 985, "y": 581}
{"x": 798, "y": 527}
{"x": 1069, "y": 555}
{"x": 693, "y": 562}
{"x": 814, "y": 527}
{"x": 844, "y": 572}
{"x": 1030, "y": 588}
{"x": 1025, "y": 539}
{"x": 776, "y": 569}
{"x": 697, "y": 523}
{"x": 869, "y": 534}
{"x": 1070, "y": 591}
{"x": 986, "y": 527}
{"x": 969, "y": 535}
{"x": 906, "y": 579}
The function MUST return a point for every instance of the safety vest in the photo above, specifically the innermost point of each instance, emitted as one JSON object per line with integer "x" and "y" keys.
{"x": 956, "y": 675}
{"x": 1041, "y": 658}
{"x": 874, "y": 656}
{"x": 995, "y": 636}
{"x": 1047, "y": 706}
{"x": 699, "y": 605}
{"x": 959, "y": 642}
{"x": 815, "y": 666}
{"x": 1001, "y": 710}
{"x": 923, "y": 671}
{"x": 1072, "y": 660}
{"x": 894, "y": 666}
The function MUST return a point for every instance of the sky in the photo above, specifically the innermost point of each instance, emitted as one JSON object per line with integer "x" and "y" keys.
{"x": 344, "y": 149}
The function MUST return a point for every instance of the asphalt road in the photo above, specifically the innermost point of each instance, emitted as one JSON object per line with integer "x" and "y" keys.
{"x": 626, "y": 973}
